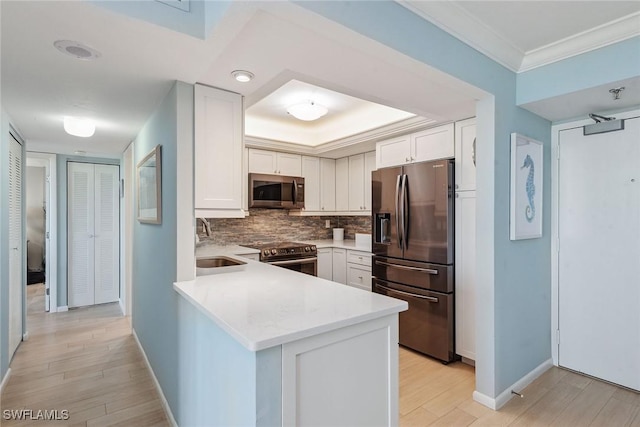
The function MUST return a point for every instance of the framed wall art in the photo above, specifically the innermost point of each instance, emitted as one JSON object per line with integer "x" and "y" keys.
{"x": 526, "y": 188}
{"x": 149, "y": 177}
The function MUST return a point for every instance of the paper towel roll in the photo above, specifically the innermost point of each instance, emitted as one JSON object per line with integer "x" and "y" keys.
{"x": 338, "y": 234}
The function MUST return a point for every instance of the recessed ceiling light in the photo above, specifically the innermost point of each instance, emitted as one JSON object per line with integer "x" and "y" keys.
{"x": 79, "y": 152}
{"x": 77, "y": 50}
{"x": 79, "y": 127}
{"x": 242, "y": 76}
{"x": 307, "y": 111}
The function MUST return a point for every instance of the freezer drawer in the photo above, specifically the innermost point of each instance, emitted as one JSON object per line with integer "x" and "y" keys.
{"x": 433, "y": 277}
{"x": 428, "y": 325}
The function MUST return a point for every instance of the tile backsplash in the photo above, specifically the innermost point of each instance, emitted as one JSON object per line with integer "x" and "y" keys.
{"x": 275, "y": 225}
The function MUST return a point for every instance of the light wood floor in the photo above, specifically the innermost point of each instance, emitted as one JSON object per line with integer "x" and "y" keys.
{"x": 432, "y": 394}
{"x": 85, "y": 361}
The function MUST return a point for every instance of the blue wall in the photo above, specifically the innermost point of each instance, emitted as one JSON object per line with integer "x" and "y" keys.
{"x": 522, "y": 270}
{"x": 61, "y": 170}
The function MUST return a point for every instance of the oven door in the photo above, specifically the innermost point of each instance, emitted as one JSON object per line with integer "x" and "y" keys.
{"x": 304, "y": 265}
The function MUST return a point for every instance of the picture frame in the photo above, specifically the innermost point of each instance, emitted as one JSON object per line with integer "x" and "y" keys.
{"x": 149, "y": 187}
{"x": 527, "y": 156}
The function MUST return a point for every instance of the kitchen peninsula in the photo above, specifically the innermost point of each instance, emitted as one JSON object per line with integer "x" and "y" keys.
{"x": 269, "y": 346}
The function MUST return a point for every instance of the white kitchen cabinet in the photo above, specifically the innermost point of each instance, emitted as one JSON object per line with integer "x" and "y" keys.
{"x": 465, "y": 285}
{"x": 369, "y": 166}
{"x": 274, "y": 162}
{"x": 465, "y": 150}
{"x": 327, "y": 185}
{"x": 325, "y": 263}
{"x": 218, "y": 130}
{"x": 429, "y": 144}
{"x": 311, "y": 175}
{"x": 339, "y": 265}
{"x": 359, "y": 269}
{"x": 393, "y": 152}
{"x": 342, "y": 187}
{"x": 356, "y": 182}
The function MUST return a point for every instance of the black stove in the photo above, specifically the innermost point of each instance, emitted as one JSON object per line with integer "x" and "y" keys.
{"x": 270, "y": 252}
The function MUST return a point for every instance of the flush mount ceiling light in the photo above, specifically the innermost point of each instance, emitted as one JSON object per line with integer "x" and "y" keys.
{"x": 307, "y": 111}
{"x": 242, "y": 76}
{"x": 79, "y": 127}
{"x": 77, "y": 50}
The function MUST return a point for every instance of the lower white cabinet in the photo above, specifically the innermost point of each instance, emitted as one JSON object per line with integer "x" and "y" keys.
{"x": 339, "y": 265}
{"x": 359, "y": 269}
{"x": 465, "y": 286}
{"x": 325, "y": 263}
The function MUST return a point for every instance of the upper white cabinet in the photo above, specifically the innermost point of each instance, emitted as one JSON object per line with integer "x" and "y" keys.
{"x": 327, "y": 185}
{"x": 465, "y": 162}
{"x": 274, "y": 162}
{"x": 360, "y": 168}
{"x": 342, "y": 188}
{"x": 311, "y": 175}
{"x": 430, "y": 144}
{"x": 218, "y": 131}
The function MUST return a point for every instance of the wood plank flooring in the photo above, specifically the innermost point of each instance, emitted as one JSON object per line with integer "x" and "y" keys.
{"x": 432, "y": 394}
{"x": 85, "y": 361}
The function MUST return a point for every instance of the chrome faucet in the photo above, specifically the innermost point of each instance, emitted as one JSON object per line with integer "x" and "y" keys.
{"x": 207, "y": 227}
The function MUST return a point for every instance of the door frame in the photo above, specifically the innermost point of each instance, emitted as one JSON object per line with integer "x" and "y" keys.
{"x": 48, "y": 161}
{"x": 555, "y": 204}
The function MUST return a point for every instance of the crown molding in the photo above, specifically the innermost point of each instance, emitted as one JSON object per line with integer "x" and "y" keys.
{"x": 458, "y": 22}
{"x": 461, "y": 24}
{"x": 409, "y": 125}
{"x": 595, "y": 38}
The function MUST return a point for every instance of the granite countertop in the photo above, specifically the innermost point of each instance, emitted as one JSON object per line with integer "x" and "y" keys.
{"x": 264, "y": 306}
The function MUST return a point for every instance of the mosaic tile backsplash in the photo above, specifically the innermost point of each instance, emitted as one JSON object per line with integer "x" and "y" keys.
{"x": 275, "y": 225}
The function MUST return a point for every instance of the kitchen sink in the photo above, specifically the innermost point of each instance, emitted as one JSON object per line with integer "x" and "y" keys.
{"x": 218, "y": 264}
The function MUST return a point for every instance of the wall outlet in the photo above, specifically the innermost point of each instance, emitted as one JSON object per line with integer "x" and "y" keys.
{"x": 327, "y": 224}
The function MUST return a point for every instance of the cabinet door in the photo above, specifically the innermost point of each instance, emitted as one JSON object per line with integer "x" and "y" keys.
{"x": 218, "y": 148}
{"x": 327, "y": 185}
{"x": 289, "y": 164}
{"x": 369, "y": 166}
{"x": 356, "y": 182}
{"x": 342, "y": 189}
{"x": 466, "y": 274}
{"x": 359, "y": 276}
{"x": 340, "y": 265}
{"x": 393, "y": 152}
{"x": 311, "y": 174}
{"x": 433, "y": 144}
{"x": 466, "y": 155}
{"x": 263, "y": 161}
{"x": 325, "y": 263}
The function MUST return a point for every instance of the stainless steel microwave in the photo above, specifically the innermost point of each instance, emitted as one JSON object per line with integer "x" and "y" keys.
{"x": 276, "y": 191}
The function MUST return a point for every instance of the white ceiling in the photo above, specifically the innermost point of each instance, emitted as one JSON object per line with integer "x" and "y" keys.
{"x": 278, "y": 41}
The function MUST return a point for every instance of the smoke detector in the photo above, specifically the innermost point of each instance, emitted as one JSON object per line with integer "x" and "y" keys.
{"x": 77, "y": 50}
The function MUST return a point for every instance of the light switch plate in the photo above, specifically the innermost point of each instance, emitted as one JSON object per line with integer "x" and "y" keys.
{"x": 327, "y": 224}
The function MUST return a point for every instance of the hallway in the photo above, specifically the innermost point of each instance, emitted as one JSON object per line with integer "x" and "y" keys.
{"x": 84, "y": 361}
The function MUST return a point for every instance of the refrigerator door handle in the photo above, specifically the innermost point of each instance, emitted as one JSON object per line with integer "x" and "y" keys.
{"x": 407, "y": 267}
{"x": 397, "y": 211}
{"x": 430, "y": 299}
{"x": 405, "y": 212}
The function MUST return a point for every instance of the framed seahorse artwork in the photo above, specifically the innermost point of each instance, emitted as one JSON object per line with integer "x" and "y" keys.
{"x": 526, "y": 188}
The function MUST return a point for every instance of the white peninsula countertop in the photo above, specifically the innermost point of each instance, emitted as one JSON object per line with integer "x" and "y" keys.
{"x": 264, "y": 306}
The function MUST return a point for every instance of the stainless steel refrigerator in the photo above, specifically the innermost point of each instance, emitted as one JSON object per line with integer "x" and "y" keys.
{"x": 413, "y": 238}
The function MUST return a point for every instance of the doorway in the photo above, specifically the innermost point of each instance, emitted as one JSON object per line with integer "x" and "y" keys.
{"x": 598, "y": 257}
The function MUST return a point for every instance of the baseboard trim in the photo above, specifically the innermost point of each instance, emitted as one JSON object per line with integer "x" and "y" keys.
{"x": 63, "y": 308}
{"x": 165, "y": 404}
{"x": 518, "y": 386}
{"x": 5, "y": 380}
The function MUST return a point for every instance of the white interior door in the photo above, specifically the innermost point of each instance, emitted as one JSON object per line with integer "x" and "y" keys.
{"x": 599, "y": 255}
{"x": 106, "y": 235}
{"x": 80, "y": 225}
{"x": 16, "y": 284}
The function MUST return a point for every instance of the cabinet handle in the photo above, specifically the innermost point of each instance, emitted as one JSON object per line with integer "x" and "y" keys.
{"x": 406, "y": 159}
{"x": 322, "y": 208}
{"x": 457, "y": 186}
{"x": 360, "y": 277}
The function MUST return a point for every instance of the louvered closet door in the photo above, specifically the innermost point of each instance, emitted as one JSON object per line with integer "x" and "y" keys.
{"x": 80, "y": 224}
{"x": 15, "y": 245}
{"x": 107, "y": 226}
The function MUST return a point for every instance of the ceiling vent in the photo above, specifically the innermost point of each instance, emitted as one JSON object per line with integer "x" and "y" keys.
{"x": 77, "y": 50}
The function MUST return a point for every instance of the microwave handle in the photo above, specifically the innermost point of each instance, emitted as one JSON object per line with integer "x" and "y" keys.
{"x": 295, "y": 192}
